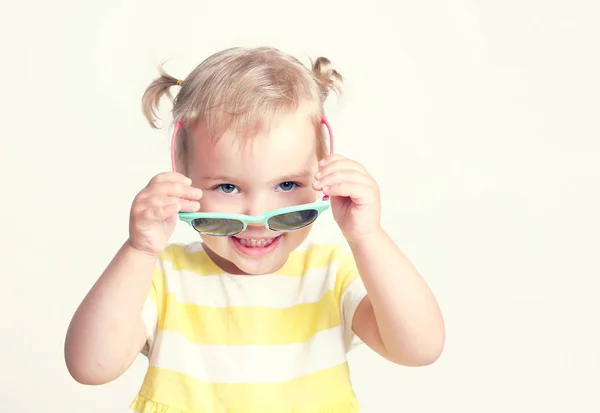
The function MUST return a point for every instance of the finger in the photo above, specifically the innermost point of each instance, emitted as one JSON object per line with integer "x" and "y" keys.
{"x": 337, "y": 164}
{"x": 156, "y": 201}
{"x": 331, "y": 158}
{"x": 182, "y": 191}
{"x": 153, "y": 202}
{"x": 174, "y": 177}
{"x": 360, "y": 194}
{"x": 160, "y": 213}
{"x": 341, "y": 176}
{"x": 190, "y": 206}
{"x": 177, "y": 190}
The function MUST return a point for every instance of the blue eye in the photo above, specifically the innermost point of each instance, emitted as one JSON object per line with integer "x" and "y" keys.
{"x": 287, "y": 186}
{"x": 227, "y": 188}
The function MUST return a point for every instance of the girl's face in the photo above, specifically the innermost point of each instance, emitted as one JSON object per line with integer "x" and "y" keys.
{"x": 271, "y": 170}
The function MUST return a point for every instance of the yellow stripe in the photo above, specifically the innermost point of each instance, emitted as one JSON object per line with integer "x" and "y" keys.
{"x": 250, "y": 325}
{"x": 297, "y": 263}
{"x": 316, "y": 256}
{"x": 328, "y": 390}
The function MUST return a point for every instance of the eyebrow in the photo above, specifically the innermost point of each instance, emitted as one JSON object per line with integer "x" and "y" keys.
{"x": 224, "y": 178}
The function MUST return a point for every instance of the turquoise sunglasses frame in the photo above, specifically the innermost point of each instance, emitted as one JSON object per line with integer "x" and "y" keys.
{"x": 245, "y": 220}
{"x": 318, "y": 207}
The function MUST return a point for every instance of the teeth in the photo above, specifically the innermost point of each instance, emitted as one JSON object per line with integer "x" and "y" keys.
{"x": 256, "y": 243}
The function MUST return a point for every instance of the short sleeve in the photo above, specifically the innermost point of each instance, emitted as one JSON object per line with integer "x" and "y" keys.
{"x": 350, "y": 291}
{"x": 152, "y": 307}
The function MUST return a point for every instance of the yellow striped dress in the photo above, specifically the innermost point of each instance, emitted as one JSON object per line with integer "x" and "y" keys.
{"x": 273, "y": 343}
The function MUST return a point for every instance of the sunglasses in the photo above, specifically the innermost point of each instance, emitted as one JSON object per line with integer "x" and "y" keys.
{"x": 282, "y": 220}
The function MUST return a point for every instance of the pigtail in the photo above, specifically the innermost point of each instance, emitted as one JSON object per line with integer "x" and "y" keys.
{"x": 154, "y": 93}
{"x": 329, "y": 79}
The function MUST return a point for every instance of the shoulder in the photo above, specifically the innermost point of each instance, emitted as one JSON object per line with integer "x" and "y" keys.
{"x": 190, "y": 257}
{"x": 179, "y": 268}
{"x": 339, "y": 260}
{"x": 312, "y": 255}
{"x": 178, "y": 251}
{"x": 330, "y": 254}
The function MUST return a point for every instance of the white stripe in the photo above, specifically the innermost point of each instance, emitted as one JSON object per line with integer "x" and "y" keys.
{"x": 351, "y": 298}
{"x": 249, "y": 364}
{"x": 225, "y": 290}
{"x": 150, "y": 320}
{"x": 191, "y": 248}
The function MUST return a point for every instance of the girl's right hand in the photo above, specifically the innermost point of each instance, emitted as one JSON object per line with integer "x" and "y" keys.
{"x": 154, "y": 211}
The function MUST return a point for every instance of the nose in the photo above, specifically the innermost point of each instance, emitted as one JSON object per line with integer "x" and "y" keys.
{"x": 257, "y": 205}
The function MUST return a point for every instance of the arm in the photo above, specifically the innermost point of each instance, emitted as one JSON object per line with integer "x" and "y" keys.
{"x": 399, "y": 318}
{"x": 106, "y": 332}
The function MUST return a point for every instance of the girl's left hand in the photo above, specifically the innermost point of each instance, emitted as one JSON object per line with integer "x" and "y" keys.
{"x": 355, "y": 200}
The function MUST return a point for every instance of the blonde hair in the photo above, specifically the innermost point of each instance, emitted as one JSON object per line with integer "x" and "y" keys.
{"x": 243, "y": 89}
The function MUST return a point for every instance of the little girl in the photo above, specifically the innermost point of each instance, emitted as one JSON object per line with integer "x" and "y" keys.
{"x": 252, "y": 319}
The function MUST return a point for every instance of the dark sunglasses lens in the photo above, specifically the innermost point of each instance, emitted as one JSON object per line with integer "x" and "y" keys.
{"x": 217, "y": 226}
{"x": 292, "y": 220}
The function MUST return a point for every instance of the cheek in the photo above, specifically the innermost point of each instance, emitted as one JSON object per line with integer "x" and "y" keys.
{"x": 304, "y": 195}
{"x": 295, "y": 238}
{"x": 218, "y": 245}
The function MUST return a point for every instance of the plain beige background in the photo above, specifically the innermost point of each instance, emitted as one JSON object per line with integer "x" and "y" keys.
{"x": 478, "y": 118}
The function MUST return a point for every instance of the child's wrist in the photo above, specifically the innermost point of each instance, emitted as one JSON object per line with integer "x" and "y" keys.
{"x": 131, "y": 249}
{"x": 369, "y": 238}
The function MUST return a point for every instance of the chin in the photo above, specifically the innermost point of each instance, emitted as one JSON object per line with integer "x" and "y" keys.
{"x": 246, "y": 255}
{"x": 258, "y": 254}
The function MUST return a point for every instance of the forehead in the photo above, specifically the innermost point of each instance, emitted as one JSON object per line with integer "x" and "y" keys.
{"x": 287, "y": 146}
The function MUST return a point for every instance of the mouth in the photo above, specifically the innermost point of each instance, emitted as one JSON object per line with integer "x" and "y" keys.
{"x": 256, "y": 247}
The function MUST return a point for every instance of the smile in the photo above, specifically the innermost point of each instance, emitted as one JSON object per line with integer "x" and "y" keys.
{"x": 256, "y": 247}
{"x": 256, "y": 243}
